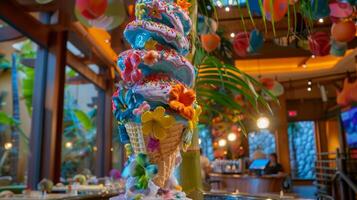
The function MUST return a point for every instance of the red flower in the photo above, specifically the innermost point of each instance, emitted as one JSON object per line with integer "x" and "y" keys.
{"x": 131, "y": 72}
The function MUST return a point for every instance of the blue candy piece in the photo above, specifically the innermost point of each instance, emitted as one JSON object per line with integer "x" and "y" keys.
{"x": 338, "y": 48}
{"x": 256, "y": 41}
{"x": 254, "y": 7}
{"x": 319, "y": 9}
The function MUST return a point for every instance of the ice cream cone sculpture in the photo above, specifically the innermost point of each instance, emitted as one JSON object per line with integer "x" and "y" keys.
{"x": 155, "y": 105}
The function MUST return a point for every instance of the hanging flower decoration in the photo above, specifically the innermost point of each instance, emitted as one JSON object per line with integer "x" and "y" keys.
{"x": 91, "y": 9}
{"x": 125, "y": 103}
{"x": 241, "y": 44}
{"x": 132, "y": 73}
{"x": 141, "y": 109}
{"x": 184, "y": 4}
{"x": 181, "y": 100}
{"x": 151, "y": 57}
{"x": 210, "y": 41}
{"x": 157, "y": 122}
{"x": 142, "y": 170}
{"x": 153, "y": 144}
{"x": 319, "y": 43}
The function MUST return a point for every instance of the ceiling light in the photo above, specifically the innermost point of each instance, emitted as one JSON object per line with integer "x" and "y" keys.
{"x": 309, "y": 82}
{"x": 321, "y": 20}
{"x": 227, "y": 9}
{"x": 69, "y": 145}
{"x": 313, "y": 56}
{"x": 232, "y": 137}
{"x": 263, "y": 122}
{"x": 309, "y": 89}
{"x": 304, "y": 65}
{"x": 222, "y": 142}
{"x": 233, "y": 35}
{"x": 8, "y": 145}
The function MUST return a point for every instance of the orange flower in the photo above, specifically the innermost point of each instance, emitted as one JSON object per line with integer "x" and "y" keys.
{"x": 151, "y": 57}
{"x": 184, "y": 4}
{"x": 181, "y": 100}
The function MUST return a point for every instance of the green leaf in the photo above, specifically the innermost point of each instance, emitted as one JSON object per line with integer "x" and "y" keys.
{"x": 142, "y": 159}
{"x": 5, "y": 119}
{"x": 83, "y": 119}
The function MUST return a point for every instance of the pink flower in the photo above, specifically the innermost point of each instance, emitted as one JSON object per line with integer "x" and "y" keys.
{"x": 142, "y": 108}
{"x": 131, "y": 72}
{"x": 151, "y": 57}
{"x": 153, "y": 144}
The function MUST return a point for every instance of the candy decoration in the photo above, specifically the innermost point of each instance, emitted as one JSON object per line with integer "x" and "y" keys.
{"x": 343, "y": 31}
{"x": 254, "y": 7}
{"x": 319, "y": 9}
{"x": 210, "y": 42}
{"x": 80, "y": 178}
{"x": 114, "y": 16}
{"x": 338, "y": 48}
{"x": 278, "y": 9}
{"x": 319, "y": 44}
{"x": 274, "y": 87}
{"x": 256, "y": 41}
{"x": 45, "y": 185}
{"x": 241, "y": 44}
{"x": 91, "y": 9}
{"x": 206, "y": 25}
{"x": 340, "y": 9}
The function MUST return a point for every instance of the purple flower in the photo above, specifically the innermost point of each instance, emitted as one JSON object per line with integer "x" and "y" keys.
{"x": 115, "y": 174}
{"x": 153, "y": 144}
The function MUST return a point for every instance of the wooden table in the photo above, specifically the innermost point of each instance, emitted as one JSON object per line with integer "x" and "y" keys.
{"x": 246, "y": 184}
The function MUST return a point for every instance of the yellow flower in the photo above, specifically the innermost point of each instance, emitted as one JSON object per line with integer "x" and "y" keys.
{"x": 192, "y": 125}
{"x": 156, "y": 122}
{"x": 151, "y": 45}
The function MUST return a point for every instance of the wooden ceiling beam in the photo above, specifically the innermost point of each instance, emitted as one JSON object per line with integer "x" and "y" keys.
{"x": 33, "y": 6}
{"x": 24, "y": 23}
{"x": 7, "y": 33}
{"x": 85, "y": 71}
{"x": 95, "y": 47}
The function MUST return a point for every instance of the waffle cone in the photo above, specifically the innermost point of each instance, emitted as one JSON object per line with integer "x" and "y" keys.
{"x": 165, "y": 156}
{"x": 136, "y": 137}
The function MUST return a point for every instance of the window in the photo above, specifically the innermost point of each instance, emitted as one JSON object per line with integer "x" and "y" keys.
{"x": 17, "y": 86}
{"x": 79, "y": 126}
{"x": 263, "y": 140}
{"x": 302, "y": 149}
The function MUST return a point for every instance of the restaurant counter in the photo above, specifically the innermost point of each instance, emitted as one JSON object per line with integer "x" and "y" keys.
{"x": 246, "y": 183}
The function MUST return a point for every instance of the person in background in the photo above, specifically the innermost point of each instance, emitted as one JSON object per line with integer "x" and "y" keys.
{"x": 274, "y": 167}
